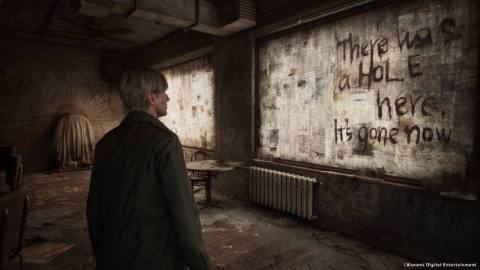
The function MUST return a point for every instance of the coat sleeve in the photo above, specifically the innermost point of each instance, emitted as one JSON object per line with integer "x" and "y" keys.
{"x": 181, "y": 207}
{"x": 93, "y": 211}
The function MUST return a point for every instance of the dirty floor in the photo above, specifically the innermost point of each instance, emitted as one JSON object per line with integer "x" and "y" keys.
{"x": 238, "y": 235}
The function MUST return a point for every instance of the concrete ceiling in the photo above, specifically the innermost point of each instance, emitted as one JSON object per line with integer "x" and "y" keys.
{"x": 120, "y": 25}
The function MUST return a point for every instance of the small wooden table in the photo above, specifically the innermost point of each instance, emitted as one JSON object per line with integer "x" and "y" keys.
{"x": 210, "y": 168}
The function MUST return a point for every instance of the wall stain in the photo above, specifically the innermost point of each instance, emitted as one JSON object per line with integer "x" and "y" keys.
{"x": 301, "y": 83}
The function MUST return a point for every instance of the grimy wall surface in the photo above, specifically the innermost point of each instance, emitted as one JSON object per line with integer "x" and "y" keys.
{"x": 403, "y": 219}
{"x": 39, "y": 83}
{"x": 391, "y": 90}
{"x": 191, "y": 108}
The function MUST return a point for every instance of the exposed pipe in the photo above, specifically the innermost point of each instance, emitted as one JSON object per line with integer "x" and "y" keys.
{"x": 303, "y": 19}
{"x": 132, "y": 10}
{"x": 197, "y": 17}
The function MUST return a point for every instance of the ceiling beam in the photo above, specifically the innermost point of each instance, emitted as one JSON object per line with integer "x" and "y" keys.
{"x": 48, "y": 18}
{"x": 173, "y": 46}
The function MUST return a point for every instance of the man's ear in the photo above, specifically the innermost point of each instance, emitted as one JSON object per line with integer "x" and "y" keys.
{"x": 151, "y": 98}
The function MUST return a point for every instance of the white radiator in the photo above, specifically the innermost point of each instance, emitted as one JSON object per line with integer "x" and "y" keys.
{"x": 288, "y": 192}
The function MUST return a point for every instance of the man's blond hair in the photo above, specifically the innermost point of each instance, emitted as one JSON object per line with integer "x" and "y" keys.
{"x": 136, "y": 84}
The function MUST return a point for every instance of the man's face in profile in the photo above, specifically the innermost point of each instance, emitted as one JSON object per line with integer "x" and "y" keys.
{"x": 160, "y": 104}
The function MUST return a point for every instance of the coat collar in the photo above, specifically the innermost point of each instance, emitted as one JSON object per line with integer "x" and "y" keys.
{"x": 141, "y": 116}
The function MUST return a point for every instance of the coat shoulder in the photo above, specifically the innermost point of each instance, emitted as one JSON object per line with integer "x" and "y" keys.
{"x": 161, "y": 133}
{"x": 106, "y": 137}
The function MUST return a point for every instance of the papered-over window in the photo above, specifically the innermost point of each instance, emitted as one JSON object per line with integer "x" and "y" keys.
{"x": 191, "y": 107}
{"x": 391, "y": 90}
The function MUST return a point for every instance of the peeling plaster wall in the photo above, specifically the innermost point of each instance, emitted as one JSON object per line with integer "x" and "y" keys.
{"x": 191, "y": 108}
{"x": 391, "y": 91}
{"x": 38, "y": 83}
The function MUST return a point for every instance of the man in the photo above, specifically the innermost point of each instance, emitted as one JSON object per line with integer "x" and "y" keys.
{"x": 141, "y": 212}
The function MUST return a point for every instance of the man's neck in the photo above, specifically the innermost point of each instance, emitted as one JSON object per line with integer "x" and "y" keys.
{"x": 151, "y": 111}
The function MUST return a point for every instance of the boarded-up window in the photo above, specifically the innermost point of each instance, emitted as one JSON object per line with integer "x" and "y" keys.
{"x": 191, "y": 106}
{"x": 391, "y": 90}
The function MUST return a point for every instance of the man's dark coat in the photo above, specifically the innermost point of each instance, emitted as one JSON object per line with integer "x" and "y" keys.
{"x": 141, "y": 212}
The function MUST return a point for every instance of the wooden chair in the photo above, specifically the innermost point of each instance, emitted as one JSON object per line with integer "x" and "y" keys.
{"x": 13, "y": 208}
{"x": 198, "y": 178}
{"x": 14, "y": 172}
{"x": 11, "y": 166}
{"x": 6, "y": 151}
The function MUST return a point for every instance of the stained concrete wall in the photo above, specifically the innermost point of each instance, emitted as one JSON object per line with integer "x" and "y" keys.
{"x": 391, "y": 90}
{"x": 38, "y": 83}
{"x": 234, "y": 81}
{"x": 399, "y": 219}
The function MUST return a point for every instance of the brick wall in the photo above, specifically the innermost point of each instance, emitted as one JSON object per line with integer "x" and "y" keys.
{"x": 38, "y": 83}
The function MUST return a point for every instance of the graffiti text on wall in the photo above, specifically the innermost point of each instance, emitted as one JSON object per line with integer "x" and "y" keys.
{"x": 370, "y": 70}
{"x": 425, "y": 106}
{"x": 370, "y": 57}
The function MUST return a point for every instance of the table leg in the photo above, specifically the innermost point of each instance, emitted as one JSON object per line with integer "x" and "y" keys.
{"x": 208, "y": 189}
